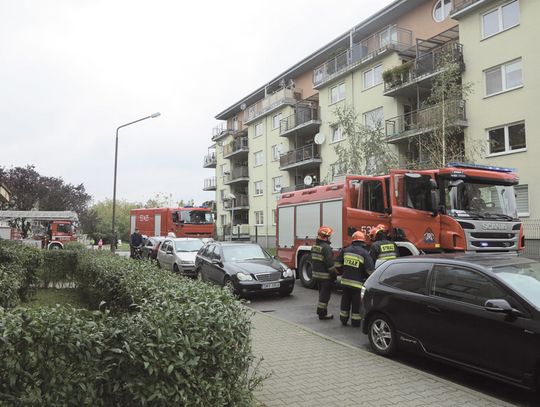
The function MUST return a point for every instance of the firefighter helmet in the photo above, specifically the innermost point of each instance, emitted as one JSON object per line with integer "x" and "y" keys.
{"x": 380, "y": 228}
{"x": 325, "y": 232}
{"x": 359, "y": 236}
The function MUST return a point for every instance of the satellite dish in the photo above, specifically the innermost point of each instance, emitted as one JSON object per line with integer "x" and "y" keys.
{"x": 308, "y": 179}
{"x": 243, "y": 106}
{"x": 319, "y": 138}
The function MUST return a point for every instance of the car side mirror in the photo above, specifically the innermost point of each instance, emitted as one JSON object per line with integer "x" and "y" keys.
{"x": 169, "y": 251}
{"x": 217, "y": 262}
{"x": 498, "y": 305}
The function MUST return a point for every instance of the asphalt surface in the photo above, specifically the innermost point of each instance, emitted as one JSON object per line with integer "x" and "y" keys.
{"x": 300, "y": 306}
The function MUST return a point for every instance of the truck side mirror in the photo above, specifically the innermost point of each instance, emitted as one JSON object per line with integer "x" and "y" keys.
{"x": 435, "y": 202}
{"x": 175, "y": 217}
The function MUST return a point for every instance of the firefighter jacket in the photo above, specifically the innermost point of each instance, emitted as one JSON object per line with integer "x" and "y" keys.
{"x": 356, "y": 263}
{"x": 383, "y": 250}
{"x": 323, "y": 260}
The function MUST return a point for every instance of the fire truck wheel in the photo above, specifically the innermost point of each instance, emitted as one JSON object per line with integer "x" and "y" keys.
{"x": 306, "y": 269}
{"x": 55, "y": 246}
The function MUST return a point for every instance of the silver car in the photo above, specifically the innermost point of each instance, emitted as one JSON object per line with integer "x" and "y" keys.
{"x": 178, "y": 255}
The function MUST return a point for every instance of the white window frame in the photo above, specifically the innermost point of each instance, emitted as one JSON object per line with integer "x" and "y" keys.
{"x": 259, "y": 218}
{"x": 258, "y": 191}
{"x": 276, "y": 152}
{"x": 528, "y": 213}
{"x": 371, "y": 73}
{"x": 499, "y": 19}
{"x": 502, "y": 67}
{"x": 223, "y": 219}
{"x": 258, "y": 154}
{"x": 274, "y": 183}
{"x": 340, "y": 93}
{"x": 444, "y": 14}
{"x": 274, "y": 121}
{"x": 336, "y": 130}
{"x": 257, "y": 133}
{"x": 507, "y": 149}
{"x": 224, "y": 169}
{"x": 369, "y": 114}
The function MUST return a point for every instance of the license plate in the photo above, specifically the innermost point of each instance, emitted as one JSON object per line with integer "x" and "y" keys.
{"x": 270, "y": 285}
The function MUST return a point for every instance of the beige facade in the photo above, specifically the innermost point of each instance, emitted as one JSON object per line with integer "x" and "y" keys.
{"x": 285, "y": 116}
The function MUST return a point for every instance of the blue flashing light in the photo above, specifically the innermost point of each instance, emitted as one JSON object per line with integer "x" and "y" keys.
{"x": 481, "y": 167}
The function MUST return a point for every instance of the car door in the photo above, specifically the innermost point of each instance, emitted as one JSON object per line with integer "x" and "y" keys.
{"x": 167, "y": 257}
{"x": 460, "y": 328}
{"x": 203, "y": 260}
{"x": 215, "y": 266}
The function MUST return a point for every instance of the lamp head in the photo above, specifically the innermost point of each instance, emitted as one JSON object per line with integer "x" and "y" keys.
{"x": 157, "y": 114}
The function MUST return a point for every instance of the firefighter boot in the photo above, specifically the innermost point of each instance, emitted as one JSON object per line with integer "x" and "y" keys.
{"x": 344, "y": 317}
{"x": 356, "y": 320}
{"x": 326, "y": 316}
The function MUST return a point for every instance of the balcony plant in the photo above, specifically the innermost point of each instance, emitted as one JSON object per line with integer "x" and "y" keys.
{"x": 397, "y": 75}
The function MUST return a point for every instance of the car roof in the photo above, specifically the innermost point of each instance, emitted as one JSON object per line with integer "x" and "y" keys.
{"x": 183, "y": 239}
{"x": 235, "y": 243}
{"x": 486, "y": 261}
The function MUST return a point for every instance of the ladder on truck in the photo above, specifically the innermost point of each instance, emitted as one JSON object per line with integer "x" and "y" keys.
{"x": 39, "y": 215}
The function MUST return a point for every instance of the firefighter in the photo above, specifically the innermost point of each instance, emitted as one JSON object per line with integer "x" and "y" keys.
{"x": 324, "y": 270}
{"x": 356, "y": 265}
{"x": 382, "y": 248}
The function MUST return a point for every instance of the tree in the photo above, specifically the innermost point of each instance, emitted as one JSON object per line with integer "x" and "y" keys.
{"x": 159, "y": 200}
{"x": 364, "y": 150}
{"x": 103, "y": 213}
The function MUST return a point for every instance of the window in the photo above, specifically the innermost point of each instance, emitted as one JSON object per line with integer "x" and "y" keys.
{"x": 373, "y": 77}
{"x": 235, "y": 123}
{"x": 412, "y": 192}
{"x": 224, "y": 169}
{"x": 522, "y": 199}
{"x": 503, "y": 77}
{"x": 500, "y": 19}
{"x": 275, "y": 121}
{"x": 374, "y": 118}
{"x": 458, "y": 284}
{"x": 409, "y": 277}
{"x": 337, "y": 93}
{"x": 441, "y": 10}
{"x": 258, "y": 158}
{"x": 277, "y": 183}
{"x": 258, "y": 187}
{"x": 223, "y": 219}
{"x": 258, "y": 129}
{"x": 507, "y": 139}
{"x": 370, "y": 196}
{"x": 337, "y": 134}
{"x": 259, "y": 218}
{"x": 276, "y": 152}
{"x": 273, "y": 217}
{"x": 222, "y": 195}
{"x": 388, "y": 36}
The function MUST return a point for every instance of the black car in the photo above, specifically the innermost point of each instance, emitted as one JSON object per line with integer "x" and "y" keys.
{"x": 244, "y": 267}
{"x": 479, "y": 312}
{"x": 150, "y": 247}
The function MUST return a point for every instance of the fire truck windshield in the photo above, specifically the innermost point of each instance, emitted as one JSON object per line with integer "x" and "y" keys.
{"x": 63, "y": 227}
{"x": 196, "y": 217}
{"x": 470, "y": 199}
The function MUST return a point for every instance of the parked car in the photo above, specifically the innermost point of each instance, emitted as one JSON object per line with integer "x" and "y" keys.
{"x": 178, "y": 255}
{"x": 479, "y": 312}
{"x": 243, "y": 267}
{"x": 150, "y": 247}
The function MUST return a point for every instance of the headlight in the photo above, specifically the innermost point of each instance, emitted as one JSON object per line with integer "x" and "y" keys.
{"x": 362, "y": 292}
{"x": 187, "y": 262}
{"x": 243, "y": 276}
{"x": 288, "y": 273}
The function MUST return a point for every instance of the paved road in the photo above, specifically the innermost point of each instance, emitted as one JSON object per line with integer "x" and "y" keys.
{"x": 300, "y": 309}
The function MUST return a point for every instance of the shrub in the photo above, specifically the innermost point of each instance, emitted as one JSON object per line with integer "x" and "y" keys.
{"x": 29, "y": 258}
{"x": 59, "y": 266}
{"x": 12, "y": 277}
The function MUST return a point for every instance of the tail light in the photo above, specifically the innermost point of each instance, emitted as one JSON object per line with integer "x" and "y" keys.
{"x": 362, "y": 292}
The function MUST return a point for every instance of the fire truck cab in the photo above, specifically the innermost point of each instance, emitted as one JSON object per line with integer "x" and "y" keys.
{"x": 183, "y": 222}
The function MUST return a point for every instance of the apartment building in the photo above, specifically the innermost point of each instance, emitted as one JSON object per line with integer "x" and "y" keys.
{"x": 281, "y": 137}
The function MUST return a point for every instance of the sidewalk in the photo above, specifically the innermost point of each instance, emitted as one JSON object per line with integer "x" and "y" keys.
{"x": 311, "y": 370}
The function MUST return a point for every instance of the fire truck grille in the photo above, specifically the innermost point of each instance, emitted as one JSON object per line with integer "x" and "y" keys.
{"x": 480, "y": 235}
{"x": 268, "y": 276}
{"x": 493, "y": 244}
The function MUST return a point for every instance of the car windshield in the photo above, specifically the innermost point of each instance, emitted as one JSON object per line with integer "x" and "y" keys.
{"x": 244, "y": 252}
{"x": 480, "y": 200}
{"x": 524, "y": 279}
{"x": 188, "y": 245}
{"x": 196, "y": 216}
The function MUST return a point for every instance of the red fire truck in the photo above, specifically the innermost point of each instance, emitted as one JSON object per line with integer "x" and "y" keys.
{"x": 462, "y": 207}
{"x": 183, "y": 222}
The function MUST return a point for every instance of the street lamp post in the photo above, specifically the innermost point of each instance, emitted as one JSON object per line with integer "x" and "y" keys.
{"x": 114, "y": 235}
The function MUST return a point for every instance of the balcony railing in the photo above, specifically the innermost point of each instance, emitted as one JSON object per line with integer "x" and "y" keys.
{"x": 236, "y": 146}
{"x": 282, "y": 96}
{"x": 210, "y": 184}
{"x": 391, "y": 37}
{"x": 241, "y": 201}
{"x": 462, "y": 4}
{"x": 224, "y": 129}
{"x": 300, "y": 155}
{"x": 423, "y": 66}
{"x": 298, "y": 187}
{"x": 236, "y": 174}
{"x": 426, "y": 119}
{"x": 301, "y": 116}
{"x": 210, "y": 161}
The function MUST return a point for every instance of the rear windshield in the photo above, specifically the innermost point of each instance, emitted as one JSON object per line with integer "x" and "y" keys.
{"x": 524, "y": 279}
{"x": 244, "y": 252}
{"x": 188, "y": 245}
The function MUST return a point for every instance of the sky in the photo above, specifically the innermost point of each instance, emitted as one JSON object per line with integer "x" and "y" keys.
{"x": 72, "y": 71}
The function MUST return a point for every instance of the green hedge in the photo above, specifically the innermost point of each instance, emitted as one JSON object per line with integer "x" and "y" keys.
{"x": 159, "y": 340}
{"x": 29, "y": 258}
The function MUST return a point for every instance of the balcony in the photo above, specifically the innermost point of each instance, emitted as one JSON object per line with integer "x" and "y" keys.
{"x": 460, "y": 6}
{"x": 234, "y": 128}
{"x": 420, "y": 71}
{"x": 210, "y": 184}
{"x": 391, "y": 38}
{"x": 210, "y": 161}
{"x": 425, "y": 120}
{"x": 236, "y": 147}
{"x": 238, "y": 174}
{"x": 306, "y": 156}
{"x": 283, "y": 96}
{"x": 241, "y": 202}
{"x": 298, "y": 187}
{"x": 304, "y": 121}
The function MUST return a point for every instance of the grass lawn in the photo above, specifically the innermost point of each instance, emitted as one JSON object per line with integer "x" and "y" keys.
{"x": 49, "y": 297}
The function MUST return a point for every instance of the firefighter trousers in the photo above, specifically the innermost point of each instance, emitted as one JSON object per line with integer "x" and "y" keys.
{"x": 350, "y": 306}
{"x": 325, "y": 290}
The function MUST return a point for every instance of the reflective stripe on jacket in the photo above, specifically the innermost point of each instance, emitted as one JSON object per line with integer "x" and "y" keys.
{"x": 383, "y": 250}
{"x": 356, "y": 262}
{"x": 322, "y": 260}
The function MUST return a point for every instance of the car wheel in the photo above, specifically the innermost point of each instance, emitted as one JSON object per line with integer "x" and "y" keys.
{"x": 176, "y": 269}
{"x": 382, "y": 336}
{"x": 229, "y": 285}
{"x": 306, "y": 271}
{"x": 200, "y": 277}
{"x": 158, "y": 264}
